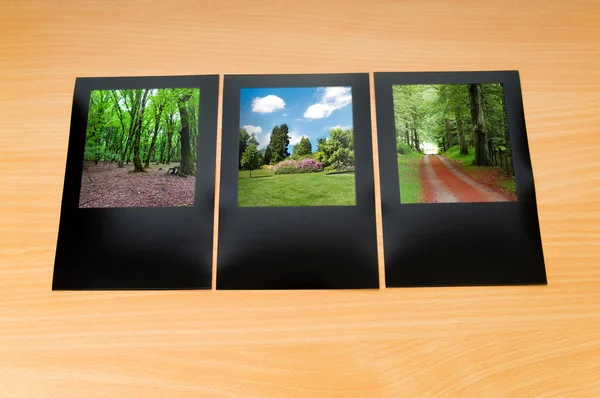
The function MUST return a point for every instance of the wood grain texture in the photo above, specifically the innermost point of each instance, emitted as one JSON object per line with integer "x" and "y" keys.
{"x": 488, "y": 341}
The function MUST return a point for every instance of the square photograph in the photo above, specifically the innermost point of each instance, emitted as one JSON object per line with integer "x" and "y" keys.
{"x": 453, "y": 143}
{"x": 296, "y": 147}
{"x": 140, "y": 148}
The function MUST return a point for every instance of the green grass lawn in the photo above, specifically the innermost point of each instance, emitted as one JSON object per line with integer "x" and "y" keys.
{"x": 307, "y": 189}
{"x": 410, "y": 179}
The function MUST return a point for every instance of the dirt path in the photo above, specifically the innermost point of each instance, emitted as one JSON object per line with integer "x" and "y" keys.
{"x": 445, "y": 183}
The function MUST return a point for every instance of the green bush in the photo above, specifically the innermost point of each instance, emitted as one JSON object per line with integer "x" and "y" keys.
{"x": 290, "y": 166}
{"x": 286, "y": 167}
{"x": 403, "y": 149}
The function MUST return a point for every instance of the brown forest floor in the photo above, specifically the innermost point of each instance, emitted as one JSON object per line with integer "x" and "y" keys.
{"x": 111, "y": 186}
{"x": 445, "y": 183}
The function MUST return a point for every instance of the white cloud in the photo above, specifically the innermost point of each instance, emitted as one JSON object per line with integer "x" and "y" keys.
{"x": 332, "y": 98}
{"x": 267, "y": 104}
{"x": 318, "y": 111}
{"x": 295, "y": 138}
{"x": 284, "y": 115}
{"x": 263, "y": 140}
{"x": 337, "y": 126}
{"x": 252, "y": 129}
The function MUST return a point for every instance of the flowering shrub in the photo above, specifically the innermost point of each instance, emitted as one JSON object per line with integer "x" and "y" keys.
{"x": 309, "y": 166}
{"x": 286, "y": 167}
{"x": 294, "y": 167}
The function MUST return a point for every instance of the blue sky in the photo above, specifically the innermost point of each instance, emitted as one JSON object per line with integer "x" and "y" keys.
{"x": 308, "y": 111}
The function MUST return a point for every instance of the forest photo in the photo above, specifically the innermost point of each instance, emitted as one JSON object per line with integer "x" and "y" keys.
{"x": 140, "y": 148}
{"x": 453, "y": 144}
{"x": 296, "y": 147}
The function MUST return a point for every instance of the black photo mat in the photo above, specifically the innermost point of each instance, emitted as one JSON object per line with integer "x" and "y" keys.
{"x": 138, "y": 247}
{"x": 313, "y": 247}
{"x": 457, "y": 244}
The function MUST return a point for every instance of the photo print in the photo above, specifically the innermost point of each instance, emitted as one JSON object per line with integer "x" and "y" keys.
{"x": 453, "y": 143}
{"x": 457, "y": 191}
{"x": 297, "y": 200}
{"x": 296, "y": 147}
{"x": 138, "y": 198}
{"x": 138, "y": 142}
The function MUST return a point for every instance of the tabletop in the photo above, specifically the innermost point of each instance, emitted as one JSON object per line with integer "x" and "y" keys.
{"x": 471, "y": 341}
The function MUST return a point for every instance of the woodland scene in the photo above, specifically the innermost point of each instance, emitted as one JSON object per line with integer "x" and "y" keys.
{"x": 140, "y": 148}
{"x": 453, "y": 144}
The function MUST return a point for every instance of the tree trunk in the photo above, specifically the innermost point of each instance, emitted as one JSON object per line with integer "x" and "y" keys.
{"x": 170, "y": 148}
{"x": 416, "y": 140}
{"x": 187, "y": 162}
{"x": 448, "y": 132}
{"x": 137, "y": 162}
{"x": 154, "y": 135}
{"x": 464, "y": 149}
{"x": 482, "y": 157}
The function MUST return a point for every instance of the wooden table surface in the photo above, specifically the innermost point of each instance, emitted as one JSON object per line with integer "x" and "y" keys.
{"x": 481, "y": 341}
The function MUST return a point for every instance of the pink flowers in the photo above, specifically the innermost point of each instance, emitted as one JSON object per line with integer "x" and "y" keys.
{"x": 293, "y": 167}
{"x": 309, "y": 165}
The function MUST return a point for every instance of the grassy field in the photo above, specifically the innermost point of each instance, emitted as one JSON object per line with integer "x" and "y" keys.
{"x": 410, "y": 179}
{"x": 308, "y": 189}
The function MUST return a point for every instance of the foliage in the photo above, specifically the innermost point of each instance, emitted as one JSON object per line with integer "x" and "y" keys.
{"x": 337, "y": 150}
{"x": 453, "y": 153}
{"x": 278, "y": 145}
{"x": 143, "y": 126}
{"x": 402, "y": 148}
{"x": 302, "y": 148}
{"x": 245, "y": 141}
{"x": 251, "y": 158}
{"x": 267, "y": 155}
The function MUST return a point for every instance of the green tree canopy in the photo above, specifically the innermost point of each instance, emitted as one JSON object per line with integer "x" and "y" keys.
{"x": 337, "y": 150}
{"x": 143, "y": 125}
{"x": 280, "y": 140}
{"x": 302, "y": 148}
{"x": 251, "y": 158}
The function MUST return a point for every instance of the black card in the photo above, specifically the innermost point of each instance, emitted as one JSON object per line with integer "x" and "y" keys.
{"x": 458, "y": 197}
{"x": 138, "y": 202}
{"x": 297, "y": 198}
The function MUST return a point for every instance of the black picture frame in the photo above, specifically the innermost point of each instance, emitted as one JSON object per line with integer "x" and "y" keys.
{"x": 138, "y": 248}
{"x": 328, "y": 247}
{"x": 456, "y": 244}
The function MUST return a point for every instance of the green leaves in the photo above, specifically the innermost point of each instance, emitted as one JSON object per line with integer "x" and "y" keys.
{"x": 302, "y": 148}
{"x": 114, "y": 116}
{"x": 337, "y": 150}
{"x": 280, "y": 140}
{"x": 251, "y": 158}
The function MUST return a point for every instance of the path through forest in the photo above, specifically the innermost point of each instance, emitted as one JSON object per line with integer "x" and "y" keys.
{"x": 443, "y": 182}
{"x": 106, "y": 185}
